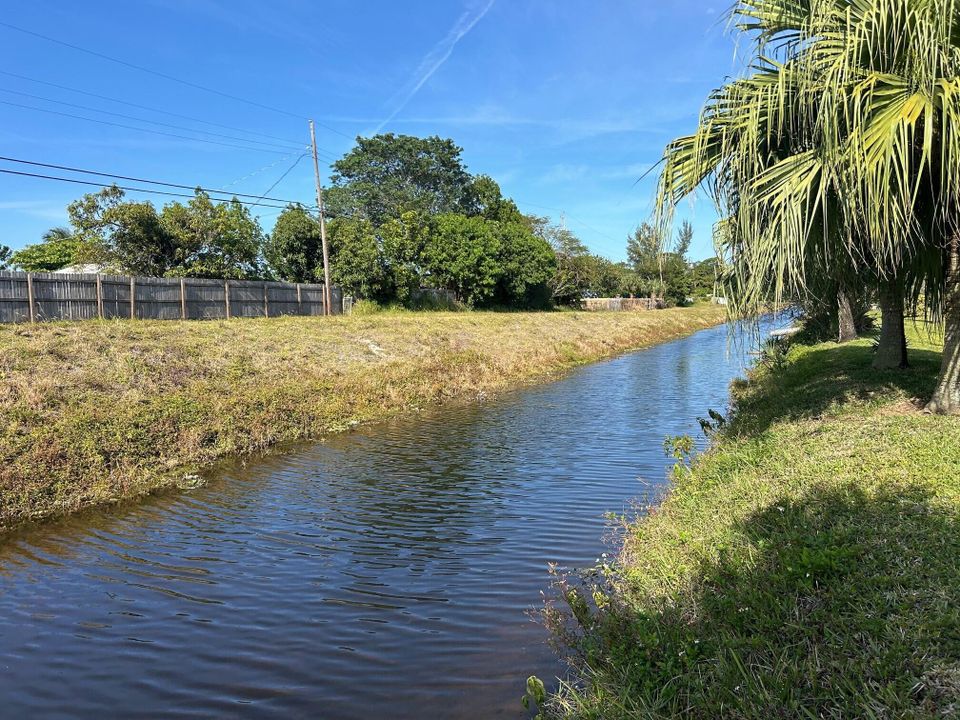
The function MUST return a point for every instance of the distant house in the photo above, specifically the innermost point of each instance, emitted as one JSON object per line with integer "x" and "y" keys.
{"x": 87, "y": 269}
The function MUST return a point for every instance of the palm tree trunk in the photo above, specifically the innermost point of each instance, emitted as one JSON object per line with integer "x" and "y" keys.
{"x": 892, "y": 347}
{"x": 845, "y": 320}
{"x": 946, "y": 398}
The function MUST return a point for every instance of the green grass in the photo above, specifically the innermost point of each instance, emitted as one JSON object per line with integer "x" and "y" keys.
{"x": 806, "y": 567}
{"x": 94, "y": 412}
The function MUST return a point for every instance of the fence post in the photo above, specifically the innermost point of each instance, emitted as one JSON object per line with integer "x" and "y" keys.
{"x": 133, "y": 298}
{"x": 299, "y": 301}
{"x": 99, "y": 297}
{"x": 266, "y": 300}
{"x": 226, "y": 296}
{"x": 183, "y": 298}
{"x": 32, "y": 313}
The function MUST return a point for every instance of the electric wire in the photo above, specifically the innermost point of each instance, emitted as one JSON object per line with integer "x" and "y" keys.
{"x": 282, "y": 177}
{"x": 165, "y": 76}
{"x": 83, "y": 171}
{"x": 575, "y": 219}
{"x": 126, "y": 188}
{"x": 285, "y": 147}
{"x": 260, "y": 170}
{"x": 146, "y": 107}
{"x": 139, "y": 129}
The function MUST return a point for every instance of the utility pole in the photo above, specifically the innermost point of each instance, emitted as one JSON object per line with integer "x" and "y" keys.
{"x": 327, "y": 294}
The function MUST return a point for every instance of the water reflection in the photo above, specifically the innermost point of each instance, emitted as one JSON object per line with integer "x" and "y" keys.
{"x": 385, "y": 573}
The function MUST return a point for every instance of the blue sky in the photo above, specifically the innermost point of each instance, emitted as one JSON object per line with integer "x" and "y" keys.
{"x": 564, "y": 102}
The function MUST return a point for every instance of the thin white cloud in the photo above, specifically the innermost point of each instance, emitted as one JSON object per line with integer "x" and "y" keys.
{"x": 45, "y": 209}
{"x": 435, "y": 59}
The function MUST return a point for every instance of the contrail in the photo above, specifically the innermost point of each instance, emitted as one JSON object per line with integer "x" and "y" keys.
{"x": 435, "y": 59}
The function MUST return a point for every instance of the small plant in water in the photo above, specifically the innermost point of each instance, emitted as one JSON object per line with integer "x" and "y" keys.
{"x": 713, "y": 424}
{"x": 535, "y": 695}
{"x": 773, "y": 354}
{"x": 679, "y": 447}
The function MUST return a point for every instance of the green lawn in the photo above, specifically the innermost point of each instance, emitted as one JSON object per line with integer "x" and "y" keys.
{"x": 808, "y": 566}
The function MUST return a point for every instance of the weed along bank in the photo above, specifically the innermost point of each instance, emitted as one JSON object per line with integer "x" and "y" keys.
{"x": 452, "y": 377}
{"x": 417, "y": 541}
{"x": 146, "y": 402}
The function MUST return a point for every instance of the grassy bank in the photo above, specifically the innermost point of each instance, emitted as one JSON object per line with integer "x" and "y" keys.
{"x": 807, "y": 567}
{"x": 95, "y": 411}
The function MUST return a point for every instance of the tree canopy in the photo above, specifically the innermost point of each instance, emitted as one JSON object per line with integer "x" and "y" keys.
{"x": 294, "y": 249}
{"x": 57, "y": 249}
{"x": 384, "y": 176}
{"x": 409, "y": 215}
{"x": 406, "y": 215}
{"x": 835, "y": 163}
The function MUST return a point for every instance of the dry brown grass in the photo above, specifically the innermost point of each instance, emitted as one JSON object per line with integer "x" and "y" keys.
{"x": 96, "y": 411}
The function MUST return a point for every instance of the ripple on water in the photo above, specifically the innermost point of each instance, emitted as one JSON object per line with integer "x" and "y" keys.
{"x": 385, "y": 573}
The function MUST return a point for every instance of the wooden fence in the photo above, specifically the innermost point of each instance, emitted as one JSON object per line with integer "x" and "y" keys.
{"x": 35, "y": 297}
{"x": 621, "y": 304}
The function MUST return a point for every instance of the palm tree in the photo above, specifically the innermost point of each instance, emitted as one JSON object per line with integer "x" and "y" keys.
{"x": 57, "y": 234}
{"x": 844, "y": 152}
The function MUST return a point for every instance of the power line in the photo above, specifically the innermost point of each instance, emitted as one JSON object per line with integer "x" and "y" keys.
{"x": 138, "y": 129}
{"x": 260, "y": 170}
{"x": 146, "y": 107}
{"x": 122, "y": 187}
{"x": 83, "y": 171}
{"x": 163, "y": 75}
{"x": 280, "y": 180}
{"x": 575, "y": 219}
{"x": 288, "y": 148}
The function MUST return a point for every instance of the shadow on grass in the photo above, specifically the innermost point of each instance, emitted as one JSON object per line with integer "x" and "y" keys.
{"x": 839, "y": 603}
{"x": 825, "y": 377}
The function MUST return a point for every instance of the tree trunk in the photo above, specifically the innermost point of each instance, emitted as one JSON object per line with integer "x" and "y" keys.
{"x": 946, "y": 398}
{"x": 892, "y": 347}
{"x": 848, "y": 327}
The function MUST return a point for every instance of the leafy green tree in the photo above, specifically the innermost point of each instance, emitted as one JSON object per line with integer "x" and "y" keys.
{"x": 644, "y": 248}
{"x": 387, "y": 175}
{"x": 57, "y": 249}
{"x": 294, "y": 249}
{"x": 121, "y": 235}
{"x": 838, "y": 163}
{"x": 461, "y": 255}
{"x": 402, "y": 244}
{"x": 684, "y": 240}
{"x": 571, "y": 277}
{"x": 675, "y": 271}
{"x": 214, "y": 239}
{"x": 676, "y": 282}
{"x": 704, "y": 276}
{"x": 486, "y": 199}
{"x": 645, "y": 255}
{"x": 527, "y": 264}
{"x": 357, "y": 263}
{"x": 608, "y": 279}
{"x": 5, "y": 254}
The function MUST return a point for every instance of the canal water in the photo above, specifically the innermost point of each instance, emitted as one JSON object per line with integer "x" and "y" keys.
{"x": 385, "y": 573}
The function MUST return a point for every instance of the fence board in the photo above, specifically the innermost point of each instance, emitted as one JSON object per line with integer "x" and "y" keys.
{"x": 205, "y": 299}
{"x": 282, "y": 299}
{"x": 620, "y": 304}
{"x": 66, "y": 297}
{"x": 116, "y": 296}
{"x": 13, "y": 298}
{"x": 158, "y": 298}
{"x": 311, "y": 299}
{"x": 246, "y": 298}
{"x": 76, "y": 297}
